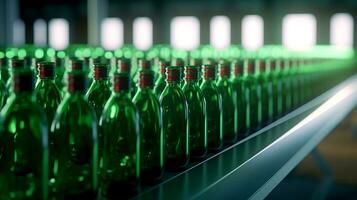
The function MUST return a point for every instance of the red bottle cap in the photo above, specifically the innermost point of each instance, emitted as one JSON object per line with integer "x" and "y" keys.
{"x": 224, "y": 69}
{"x": 191, "y": 73}
{"x": 23, "y": 80}
{"x": 146, "y": 78}
{"x": 238, "y": 67}
{"x": 121, "y": 81}
{"x": 144, "y": 64}
{"x": 162, "y": 66}
{"x": 249, "y": 65}
{"x": 77, "y": 81}
{"x": 76, "y": 65}
{"x": 209, "y": 72}
{"x": 46, "y": 69}
{"x": 173, "y": 74}
{"x": 100, "y": 71}
{"x": 123, "y": 65}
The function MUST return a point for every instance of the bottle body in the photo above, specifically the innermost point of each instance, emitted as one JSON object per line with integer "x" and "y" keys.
{"x": 24, "y": 140}
{"x": 175, "y": 126}
{"x": 196, "y": 111}
{"x": 159, "y": 86}
{"x": 49, "y": 97}
{"x": 225, "y": 89}
{"x": 151, "y": 136}
{"x": 251, "y": 92}
{"x": 98, "y": 94}
{"x": 74, "y": 149}
{"x": 240, "y": 106}
{"x": 214, "y": 117}
{"x": 120, "y": 169}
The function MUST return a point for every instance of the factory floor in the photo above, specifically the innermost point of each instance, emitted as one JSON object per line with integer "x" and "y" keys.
{"x": 329, "y": 172}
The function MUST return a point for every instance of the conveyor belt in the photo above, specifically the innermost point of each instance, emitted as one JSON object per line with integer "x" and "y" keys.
{"x": 252, "y": 167}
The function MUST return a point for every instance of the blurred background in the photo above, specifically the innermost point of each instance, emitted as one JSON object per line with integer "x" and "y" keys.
{"x": 185, "y": 24}
{"x": 252, "y": 23}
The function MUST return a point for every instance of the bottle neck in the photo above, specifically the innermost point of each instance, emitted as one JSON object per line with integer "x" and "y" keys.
{"x": 25, "y": 95}
{"x": 121, "y": 93}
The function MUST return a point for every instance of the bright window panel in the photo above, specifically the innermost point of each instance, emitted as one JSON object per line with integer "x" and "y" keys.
{"x": 142, "y": 33}
{"x": 252, "y": 32}
{"x": 220, "y": 32}
{"x": 185, "y": 32}
{"x": 299, "y": 31}
{"x": 341, "y": 30}
{"x": 58, "y": 33}
{"x": 112, "y": 33}
{"x": 40, "y": 32}
{"x": 19, "y": 33}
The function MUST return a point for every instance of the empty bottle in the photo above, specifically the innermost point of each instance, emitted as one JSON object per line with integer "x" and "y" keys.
{"x": 120, "y": 169}
{"x": 151, "y": 136}
{"x": 47, "y": 93}
{"x": 175, "y": 121}
{"x": 214, "y": 115}
{"x": 196, "y": 112}
{"x": 74, "y": 142}
{"x": 24, "y": 143}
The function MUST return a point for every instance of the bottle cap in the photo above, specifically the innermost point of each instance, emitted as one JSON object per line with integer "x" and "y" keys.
{"x": 224, "y": 69}
{"x": 77, "y": 81}
{"x": 173, "y": 74}
{"x": 100, "y": 71}
{"x": 123, "y": 65}
{"x": 209, "y": 72}
{"x": 76, "y": 65}
{"x": 238, "y": 66}
{"x": 191, "y": 73}
{"x": 146, "y": 78}
{"x": 46, "y": 69}
{"x": 23, "y": 80}
{"x": 121, "y": 81}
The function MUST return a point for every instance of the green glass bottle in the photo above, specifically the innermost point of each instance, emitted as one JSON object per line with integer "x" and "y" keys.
{"x": 48, "y": 95}
{"x": 240, "y": 101}
{"x": 4, "y": 76}
{"x": 151, "y": 136}
{"x": 23, "y": 142}
{"x": 59, "y": 71}
{"x": 16, "y": 64}
{"x": 225, "y": 89}
{"x": 251, "y": 92}
{"x": 288, "y": 79}
{"x": 124, "y": 66}
{"x": 277, "y": 88}
{"x": 285, "y": 84}
{"x": 268, "y": 77}
{"x": 4, "y": 69}
{"x": 295, "y": 84}
{"x": 99, "y": 92}
{"x": 119, "y": 124}
{"x": 196, "y": 112}
{"x": 180, "y": 63}
{"x": 198, "y": 63}
{"x": 263, "y": 92}
{"x": 142, "y": 65}
{"x": 161, "y": 80}
{"x": 74, "y": 65}
{"x": 175, "y": 121}
{"x": 74, "y": 144}
{"x": 214, "y": 115}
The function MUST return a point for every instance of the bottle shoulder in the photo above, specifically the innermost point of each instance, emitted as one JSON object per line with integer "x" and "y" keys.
{"x": 116, "y": 107}
{"x": 98, "y": 89}
{"x": 22, "y": 108}
{"x": 172, "y": 93}
{"x": 145, "y": 97}
{"x": 209, "y": 88}
{"x": 47, "y": 90}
